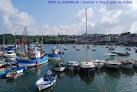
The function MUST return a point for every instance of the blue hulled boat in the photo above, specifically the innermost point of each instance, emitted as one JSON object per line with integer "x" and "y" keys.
{"x": 55, "y": 55}
{"x": 4, "y": 72}
{"x": 46, "y": 81}
{"x": 32, "y": 62}
{"x": 33, "y": 58}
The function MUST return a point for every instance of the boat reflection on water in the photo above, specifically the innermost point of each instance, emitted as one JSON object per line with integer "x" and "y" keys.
{"x": 87, "y": 78}
{"x": 71, "y": 73}
{"x": 38, "y": 71}
{"x": 112, "y": 73}
{"x": 127, "y": 72}
{"x": 60, "y": 75}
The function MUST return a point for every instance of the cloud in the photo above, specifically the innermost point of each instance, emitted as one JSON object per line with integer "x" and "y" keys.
{"x": 12, "y": 18}
{"x": 103, "y": 19}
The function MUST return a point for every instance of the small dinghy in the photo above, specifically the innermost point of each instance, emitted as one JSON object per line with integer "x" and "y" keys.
{"x": 65, "y": 48}
{"x": 46, "y": 81}
{"x": 59, "y": 67}
{"x": 72, "y": 65}
{"x": 11, "y": 75}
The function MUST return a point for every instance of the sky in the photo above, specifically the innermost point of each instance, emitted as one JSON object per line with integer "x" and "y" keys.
{"x": 42, "y": 18}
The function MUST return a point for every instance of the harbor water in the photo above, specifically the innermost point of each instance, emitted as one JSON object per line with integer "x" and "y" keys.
{"x": 103, "y": 80}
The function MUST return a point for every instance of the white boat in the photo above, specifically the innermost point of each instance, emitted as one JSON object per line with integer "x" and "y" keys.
{"x": 77, "y": 48}
{"x": 46, "y": 81}
{"x": 59, "y": 67}
{"x": 127, "y": 64}
{"x": 111, "y": 61}
{"x": 10, "y": 54}
{"x": 87, "y": 66}
{"x": 65, "y": 48}
{"x": 72, "y": 65}
{"x": 98, "y": 63}
{"x": 93, "y": 48}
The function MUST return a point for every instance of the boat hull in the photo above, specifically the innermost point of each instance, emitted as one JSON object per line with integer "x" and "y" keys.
{"x": 31, "y": 63}
{"x": 126, "y": 66}
{"x": 86, "y": 69}
{"x": 55, "y": 56}
{"x": 115, "y": 66}
{"x": 42, "y": 86}
{"x": 59, "y": 69}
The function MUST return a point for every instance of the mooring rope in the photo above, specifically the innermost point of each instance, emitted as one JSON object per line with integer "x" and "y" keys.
{"x": 24, "y": 86}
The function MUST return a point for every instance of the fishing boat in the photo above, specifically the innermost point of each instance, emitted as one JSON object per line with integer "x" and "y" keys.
{"x": 120, "y": 53}
{"x": 98, "y": 63}
{"x": 55, "y": 55}
{"x": 72, "y": 65}
{"x": 10, "y": 54}
{"x": 46, "y": 81}
{"x": 126, "y": 64}
{"x": 12, "y": 75}
{"x": 86, "y": 66}
{"x": 111, "y": 61}
{"x": 59, "y": 67}
{"x": 33, "y": 58}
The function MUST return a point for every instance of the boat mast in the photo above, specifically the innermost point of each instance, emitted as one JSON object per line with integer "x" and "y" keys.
{"x": 86, "y": 37}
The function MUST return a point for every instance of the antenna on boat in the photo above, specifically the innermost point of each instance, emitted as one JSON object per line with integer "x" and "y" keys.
{"x": 86, "y": 37}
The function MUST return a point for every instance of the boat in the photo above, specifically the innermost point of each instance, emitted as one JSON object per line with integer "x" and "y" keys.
{"x": 93, "y": 48}
{"x": 4, "y": 72}
{"x": 86, "y": 66}
{"x": 128, "y": 49}
{"x": 65, "y": 48}
{"x": 11, "y": 75}
{"x": 33, "y": 58}
{"x": 18, "y": 69}
{"x": 46, "y": 81}
{"x": 8, "y": 47}
{"x": 111, "y": 61}
{"x": 59, "y": 67}
{"x": 72, "y": 65}
{"x": 77, "y": 48}
{"x": 10, "y": 54}
{"x": 55, "y": 55}
{"x": 111, "y": 48}
{"x": 127, "y": 64}
{"x": 120, "y": 53}
{"x": 98, "y": 63}
{"x": 88, "y": 47}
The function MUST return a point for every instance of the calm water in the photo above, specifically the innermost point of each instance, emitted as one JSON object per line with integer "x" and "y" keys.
{"x": 103, "y": 80}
